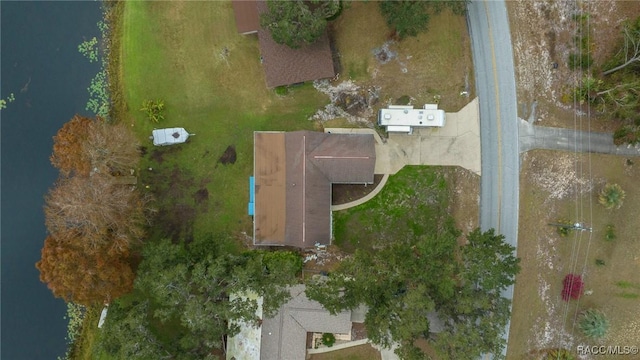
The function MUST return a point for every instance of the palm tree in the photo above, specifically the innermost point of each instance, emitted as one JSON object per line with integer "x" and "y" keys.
{"x": 594, "y": 324}
{"x": 611, "y": 196}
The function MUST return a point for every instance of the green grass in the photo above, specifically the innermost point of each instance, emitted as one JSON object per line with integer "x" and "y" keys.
{"x": 174, "y": 51}
{"x": 190, "y": 55}
{"x": 412, "y": 203}
{"x": 627, "y": 295}
{"x": 627, "y": 285}
{"x": 83, "y": 348}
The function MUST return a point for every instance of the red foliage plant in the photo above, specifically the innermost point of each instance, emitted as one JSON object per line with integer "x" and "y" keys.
{"x": 572, "y": 287}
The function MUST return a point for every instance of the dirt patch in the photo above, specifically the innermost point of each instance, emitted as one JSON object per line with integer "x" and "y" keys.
{"x": 158, "y": 154}
{"x": 177, "y": 223}
{"x": 560, "y": 175}
{"x": 201, "y": 196}
{"x": 348, "y": 101}
{"x": 383, "y": 54}
{"x": 322, "y": 261}
{"x": 540, "y": 318}
{"x": 358, "y": 331}
{"x": 229, "y": 156}
{"x": 361, "y": 352}
{"x": 344, "y": 193}
{"x": 464, "y": 197}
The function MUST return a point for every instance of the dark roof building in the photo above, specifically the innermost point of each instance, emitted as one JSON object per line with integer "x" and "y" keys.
{"x": 282, "y": 64}
{"x": 284, "y": 336}
{"x": 293, "y": 175}
{"x": 246, "y": 13}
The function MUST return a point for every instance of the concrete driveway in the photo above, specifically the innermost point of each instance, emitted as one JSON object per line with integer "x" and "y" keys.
{"x": 455, "y": 144}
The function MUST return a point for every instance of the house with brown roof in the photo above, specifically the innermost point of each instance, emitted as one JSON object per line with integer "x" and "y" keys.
{"x": 291, "y": 188}
{"x": 282, "y": 64}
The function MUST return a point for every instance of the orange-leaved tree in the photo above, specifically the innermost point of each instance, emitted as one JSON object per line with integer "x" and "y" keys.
{"x": 68, "y": 155}
{"x": 84, "y": 277}
{"x": 84, "y": 146}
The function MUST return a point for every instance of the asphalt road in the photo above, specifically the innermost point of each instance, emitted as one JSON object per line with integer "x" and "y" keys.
{"x": 539, "y": 137}
{"x": 496, "y": 89}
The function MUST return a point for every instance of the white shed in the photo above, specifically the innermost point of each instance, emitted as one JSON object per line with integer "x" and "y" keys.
{"x": 169, "y": 136}
{"x": 403, "y": 118}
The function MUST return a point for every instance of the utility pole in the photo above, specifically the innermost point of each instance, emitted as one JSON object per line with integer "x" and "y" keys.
{"x": 574, "y": 226}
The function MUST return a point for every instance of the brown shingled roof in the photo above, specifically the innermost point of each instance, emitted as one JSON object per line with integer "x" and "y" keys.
{"x": 293, "y": 176}
{"x": 285, "y": 66}
{"x": 246, "y": 13}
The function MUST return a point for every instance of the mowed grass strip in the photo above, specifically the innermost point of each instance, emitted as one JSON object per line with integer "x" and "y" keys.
{"x": 190, "y": 55}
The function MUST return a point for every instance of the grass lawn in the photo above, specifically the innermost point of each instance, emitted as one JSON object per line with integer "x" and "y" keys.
{"x": 434, "y": 63}
{"x": 190, "y": 55}
{"x": 541, "y": 319}
{"x": 412, "y": 203}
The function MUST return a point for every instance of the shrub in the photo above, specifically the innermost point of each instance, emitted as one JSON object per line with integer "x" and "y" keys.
{"x": 558, "y": 354}
{"x": 610, "y": 233}
{"x": 282, "y": 90}
{"x": 572, "y": 287}
{"x": 564, "y": 227}
{"x": 593, "y": 324}
{"x": 600, "y": 262}
{"x": 154, "y": 109}
{"x": 328, "y": 339}
{"x": 611, "y": 196}
{"x": 403, "y": 100}
{"x": 627, "y": 134}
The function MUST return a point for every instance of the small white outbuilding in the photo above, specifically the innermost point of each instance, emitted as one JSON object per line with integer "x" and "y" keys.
{"x": 169, "y": 136}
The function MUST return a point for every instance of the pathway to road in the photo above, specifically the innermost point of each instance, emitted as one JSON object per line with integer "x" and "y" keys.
{"x": 539, "y": 137}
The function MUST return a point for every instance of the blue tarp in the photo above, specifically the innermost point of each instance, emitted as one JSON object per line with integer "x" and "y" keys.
{"x": 252, "y": 195}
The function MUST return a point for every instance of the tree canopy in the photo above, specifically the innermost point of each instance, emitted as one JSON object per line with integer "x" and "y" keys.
{"x": 84, "y": 277}
{"x": 68, "y": 155}
{"x": 93, "y": 220}
{"x": 410, "y": 17}
{"x": 85, "y": 145}
{"x": 194, "y": 292}
{"x": 403, "y": 282}
{"x": 297, "y": 23}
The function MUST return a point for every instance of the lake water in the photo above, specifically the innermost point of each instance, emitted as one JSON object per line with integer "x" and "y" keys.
{"x": 41, "y": 65}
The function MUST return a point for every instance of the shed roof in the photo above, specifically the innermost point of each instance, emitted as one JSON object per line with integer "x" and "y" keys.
{"x": 293, "y": 176}
{"x": 246, "y": 13}
{"x": 284, "y": 65}
{"x": 284, "y": 336}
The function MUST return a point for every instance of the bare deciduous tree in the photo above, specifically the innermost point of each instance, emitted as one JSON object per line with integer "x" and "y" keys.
{"x": 111, "y": 148}
{"x": 96, "y": 209}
